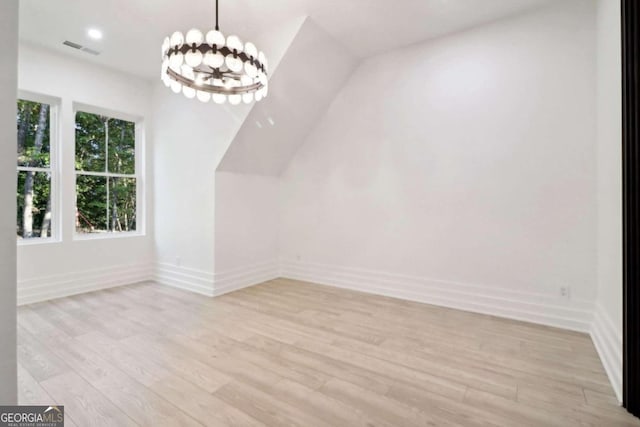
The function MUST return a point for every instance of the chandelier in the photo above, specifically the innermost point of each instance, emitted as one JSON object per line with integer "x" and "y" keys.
{"x": 212, "y": 67}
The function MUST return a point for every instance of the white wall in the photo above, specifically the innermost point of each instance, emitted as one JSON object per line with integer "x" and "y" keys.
{"x": 459, "y": 171}
{"x": 607, "y": 329}
{"x": 190, "y": 139}
{"x": 47, "y": 270}
{"x": 246, "y": 186}
{"x": 8, "y": 84}
{"x": 246, "y": 230}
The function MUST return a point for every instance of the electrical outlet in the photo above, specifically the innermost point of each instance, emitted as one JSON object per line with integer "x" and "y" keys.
{"x": 565, "y": 292}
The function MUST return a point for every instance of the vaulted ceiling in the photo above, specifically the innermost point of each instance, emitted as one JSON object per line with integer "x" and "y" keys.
{"x": 134, "y": 29}
{"x": 301, "y": 90}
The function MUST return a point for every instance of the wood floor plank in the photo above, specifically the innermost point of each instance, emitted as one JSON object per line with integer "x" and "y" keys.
{"x": 143, "y": 370}
{"x": 332, "y": 368}
{"x": 30, "y": 392}
{"x": 33, "y": 356}
{"x": 320, "y": 405}
{"x": 291, "y": 353}
{"x": 204, "y": 407}
{"x": 167, "y": 354}
{"x": 267, "y": 408}
{"x": 84, "y": 404}
{"x": 378, "y": 406}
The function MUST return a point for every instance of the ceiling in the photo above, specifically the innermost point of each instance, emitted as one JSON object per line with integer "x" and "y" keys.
{"x": 134, "y": 29}
{"x": 299, "y": 94}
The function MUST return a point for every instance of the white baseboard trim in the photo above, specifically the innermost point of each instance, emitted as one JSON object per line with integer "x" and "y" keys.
{"x": 201, "y": 282}
{"x": 63, "y": 285}
{"x": 608, "y": 341}
{"x": 198, "y": 281}
{"x": 530, "y": 307}
{"x": 244, "y": 277}
{"x": 213, "y": 285}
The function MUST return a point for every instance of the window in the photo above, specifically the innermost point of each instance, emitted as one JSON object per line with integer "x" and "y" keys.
{"x": 35, "y": 196}
{"x": 106, "y": 178}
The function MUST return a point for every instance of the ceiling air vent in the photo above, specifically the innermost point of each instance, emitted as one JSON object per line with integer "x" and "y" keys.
{"x": 71, "y": 44}
{"x": 80, "y": 47}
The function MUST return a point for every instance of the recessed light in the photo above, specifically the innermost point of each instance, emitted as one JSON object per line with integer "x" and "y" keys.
{"x": 94, "y": 33}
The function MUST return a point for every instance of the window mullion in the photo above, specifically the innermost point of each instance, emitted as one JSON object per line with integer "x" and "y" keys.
{"x": 106, "y": 170}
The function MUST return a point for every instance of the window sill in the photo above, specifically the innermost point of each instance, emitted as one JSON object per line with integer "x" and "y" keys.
{"x": 36, "y": 241}
{"x": 107, "y": 236}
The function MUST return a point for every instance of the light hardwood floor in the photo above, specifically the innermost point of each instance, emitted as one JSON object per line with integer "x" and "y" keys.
{"x": 288, "y": 353}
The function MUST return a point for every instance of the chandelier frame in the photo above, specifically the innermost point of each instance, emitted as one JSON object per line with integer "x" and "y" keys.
{"x": 246, "y": 83}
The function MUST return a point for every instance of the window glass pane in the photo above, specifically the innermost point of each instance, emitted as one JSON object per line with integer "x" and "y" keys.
{"x": 122, "y": 204}
{"x": 122, "y": 151}
{"x": 33, "y": 134}
{"x": 34, "y": 205}
{"x": 90, "y": 142}
{"x": 91, "y": 204}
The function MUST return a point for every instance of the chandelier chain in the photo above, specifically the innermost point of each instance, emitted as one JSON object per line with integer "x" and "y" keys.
{"x": 217, "y": 26}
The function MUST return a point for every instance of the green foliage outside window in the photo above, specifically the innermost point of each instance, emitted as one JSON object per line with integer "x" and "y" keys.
{"x": 33, "y": 193}
{"x": 105, "y": 202}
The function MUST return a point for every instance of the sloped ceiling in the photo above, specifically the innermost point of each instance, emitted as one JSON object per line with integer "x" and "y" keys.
{"x": 312, "y": 71}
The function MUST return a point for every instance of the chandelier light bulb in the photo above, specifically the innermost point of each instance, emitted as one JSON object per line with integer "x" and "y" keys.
{"x": 189, "y": 92}
{"x": 177, "y": 40}
{"x": 175, "y": 61}
{"x": 247, "y": 98}
{"x": 250, "y": 70}
{"x": 215, "y": 38}
{"x": 200, "y": 80}
{"x": 251, "y": 50}
{"x": 211, "y": 67}
{"x": 193, "y": 58}
{"x": 203, "y": 96}
{"x": 187, "y": 72}
{"x": 219, "y": 98}
{"x": 230, "y": 83}
{"x": 262, "y": 78}
{"x": 194, "y": 37}
{"x": 234, "y": 63}
{"x": 234, "y": 43}
{"x": 176, "y": 87}
{"x": 213, "y": 60}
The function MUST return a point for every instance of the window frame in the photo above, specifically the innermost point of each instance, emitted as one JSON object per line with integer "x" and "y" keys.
{"x": 138, "y": 174}
{"x": 54, "y": 167}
